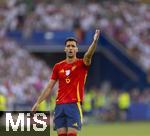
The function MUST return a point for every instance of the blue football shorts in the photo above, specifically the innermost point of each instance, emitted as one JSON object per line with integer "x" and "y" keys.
{"x": 68, "y": 115}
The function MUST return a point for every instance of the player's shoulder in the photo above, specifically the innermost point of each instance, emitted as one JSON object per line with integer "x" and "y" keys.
{"x": 60, "y": 62}
{"x": 80, "y": 60}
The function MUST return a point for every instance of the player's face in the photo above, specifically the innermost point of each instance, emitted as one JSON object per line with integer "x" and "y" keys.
{"x": 71, "y": 49}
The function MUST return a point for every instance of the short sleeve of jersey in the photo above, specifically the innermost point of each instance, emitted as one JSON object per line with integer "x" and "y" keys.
{"x": 54, "y": 75}
{"x": 85, "y": 66}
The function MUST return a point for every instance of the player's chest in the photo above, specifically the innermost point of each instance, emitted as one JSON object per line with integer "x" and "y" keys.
{"x": 68, "y": 71}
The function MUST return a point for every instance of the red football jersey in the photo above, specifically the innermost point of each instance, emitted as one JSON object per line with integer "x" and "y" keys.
{"x": 71, "y": 78}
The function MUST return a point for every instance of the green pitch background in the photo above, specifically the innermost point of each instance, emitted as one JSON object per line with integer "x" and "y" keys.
{"x": 107, "y": 129}
{"x": 115, "y": 129}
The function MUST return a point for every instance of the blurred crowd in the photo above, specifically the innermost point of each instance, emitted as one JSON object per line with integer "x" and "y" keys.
{"x": 126, "y": 22}
{"x": 22, "y": 76}
{"x": 108, "y": 104}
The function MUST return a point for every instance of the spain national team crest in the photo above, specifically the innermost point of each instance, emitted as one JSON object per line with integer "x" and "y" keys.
{"x": 67, "y": 72}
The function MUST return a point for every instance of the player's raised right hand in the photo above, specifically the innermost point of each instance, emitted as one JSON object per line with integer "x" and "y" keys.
{"x": 96, "y": 35}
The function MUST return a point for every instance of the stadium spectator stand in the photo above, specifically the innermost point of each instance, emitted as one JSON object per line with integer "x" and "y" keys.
{"x": 22, "y": 76}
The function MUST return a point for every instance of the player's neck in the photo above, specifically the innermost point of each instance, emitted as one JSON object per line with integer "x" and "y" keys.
{"x": 71, "y": 60}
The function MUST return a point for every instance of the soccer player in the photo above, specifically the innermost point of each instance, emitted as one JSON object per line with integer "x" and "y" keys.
{"x": 71, "y": 74}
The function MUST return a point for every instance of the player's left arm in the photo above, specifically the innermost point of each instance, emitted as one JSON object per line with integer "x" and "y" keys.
{"x": 88, "y": 55}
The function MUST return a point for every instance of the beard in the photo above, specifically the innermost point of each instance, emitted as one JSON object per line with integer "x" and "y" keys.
{"x": 70, "y": 56}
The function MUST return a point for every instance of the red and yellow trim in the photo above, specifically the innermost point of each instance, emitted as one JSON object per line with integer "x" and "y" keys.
{"x": 78, "y": 93}
{"x": 80, "y": 111}
{"x": 78, "y": 103}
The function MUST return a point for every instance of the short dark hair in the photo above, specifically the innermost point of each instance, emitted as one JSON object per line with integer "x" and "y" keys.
{"x": 71, "y": 39}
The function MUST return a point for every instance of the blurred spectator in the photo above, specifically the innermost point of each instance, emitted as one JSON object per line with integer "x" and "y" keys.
{"x": 127, "y": 23}
{"x": 3, "y": 102}
{"x": 123, "y": 104}
{"x": 79, "y": 32}
{"x": 22, "y": 75}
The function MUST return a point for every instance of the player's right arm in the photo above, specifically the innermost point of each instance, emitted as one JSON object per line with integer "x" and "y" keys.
{"x": 88, "y": 55}
{"x": 45, "y": 93}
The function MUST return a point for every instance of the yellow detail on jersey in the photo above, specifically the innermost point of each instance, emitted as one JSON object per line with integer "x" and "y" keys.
{"x": 78, "y": 93}
{"x": 62, "y": 71}
{"x": 73, "y": 68}
{"x": 80, "y": 111}
{"x": 67, "y": 80}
